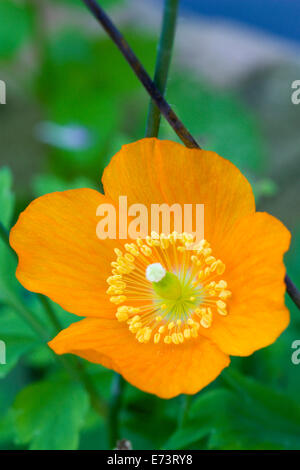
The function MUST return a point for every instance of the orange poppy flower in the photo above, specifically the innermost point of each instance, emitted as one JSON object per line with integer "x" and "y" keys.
{"x": 165, "y": 317}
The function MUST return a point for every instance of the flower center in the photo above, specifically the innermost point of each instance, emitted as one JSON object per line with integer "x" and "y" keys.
{"x": 166, "y": 285}
{"x": 166, "y": 291}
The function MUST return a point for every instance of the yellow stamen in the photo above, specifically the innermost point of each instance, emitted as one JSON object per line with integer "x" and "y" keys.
{"x": 156, "y": 338}
{"x": 171, "y": 296}
{"x": 175, "y": 338}
{"x": 187, "y": 333}
{"x": 146, "y": 250}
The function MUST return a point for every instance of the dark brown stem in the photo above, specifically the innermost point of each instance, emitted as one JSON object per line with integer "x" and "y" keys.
{"x": 141, "y": 73}
{"x": 157, "y": 97}
{"x": 292, "y": 290}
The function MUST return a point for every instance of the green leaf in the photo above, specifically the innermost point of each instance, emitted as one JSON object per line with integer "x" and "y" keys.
{"x": 7, "y": 261}
{"x": 140, "y": 407}
{"x": 248, "y": 416}
{"x": 7, "y": 199}
{"x": 18, "y": 339}
{"x": 80, "y": 85}
{"x": 259, "y": 415}
{"x": 6, "y": 428}
{"x": 94, "y": 438}
{"x": 14, "y": 18}
{"x": 49, "y": 415}
{"x": 45, "y": 184}
{"x": 205, "y": 415}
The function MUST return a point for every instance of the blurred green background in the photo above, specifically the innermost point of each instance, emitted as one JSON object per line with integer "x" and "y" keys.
{"x": 72, "y": 101}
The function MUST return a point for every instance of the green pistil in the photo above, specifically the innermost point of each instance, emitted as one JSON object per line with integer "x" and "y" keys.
{"x": 169, "y": 287}
{"x": 175, "y": 296}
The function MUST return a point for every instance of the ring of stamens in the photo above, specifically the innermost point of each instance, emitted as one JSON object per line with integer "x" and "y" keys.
{"x": 149, "y": 315}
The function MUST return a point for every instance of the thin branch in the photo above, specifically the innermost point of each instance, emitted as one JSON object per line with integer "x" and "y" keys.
{"x": 163, "y": 61}
{"x": 141, "y": 73}
{"x": 161, "y": 103}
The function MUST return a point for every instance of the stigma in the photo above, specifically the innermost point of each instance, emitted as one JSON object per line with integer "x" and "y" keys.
{"x": 155, "y": 272}
{"x": 166, "y": 288}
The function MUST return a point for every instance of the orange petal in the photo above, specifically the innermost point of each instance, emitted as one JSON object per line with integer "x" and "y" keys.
{"x": 152, "y": 171}
{"x": 60, "y": 255}
{"x": 164, "y": 370}
{"x": 253, "y": 254}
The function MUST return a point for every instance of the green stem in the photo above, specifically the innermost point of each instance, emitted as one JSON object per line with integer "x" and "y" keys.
{"x": 50, "y": 313}
{"x": 4, "y": 235}
{"x": 184, "y": 410}
{"x": 98, "y": 404}
{"x": 163, "y": 61}
{"x": 72, "y": 365}
{"x": 14, "y": 301}
{"x": 118, "y": 386}
{"x": 36, "y": 8}
{"x": 153, "y": 121}
{"x": 27, "y": 316}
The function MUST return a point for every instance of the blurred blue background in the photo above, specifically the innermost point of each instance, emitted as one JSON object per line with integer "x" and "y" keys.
{"x": 279, "y": 17}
